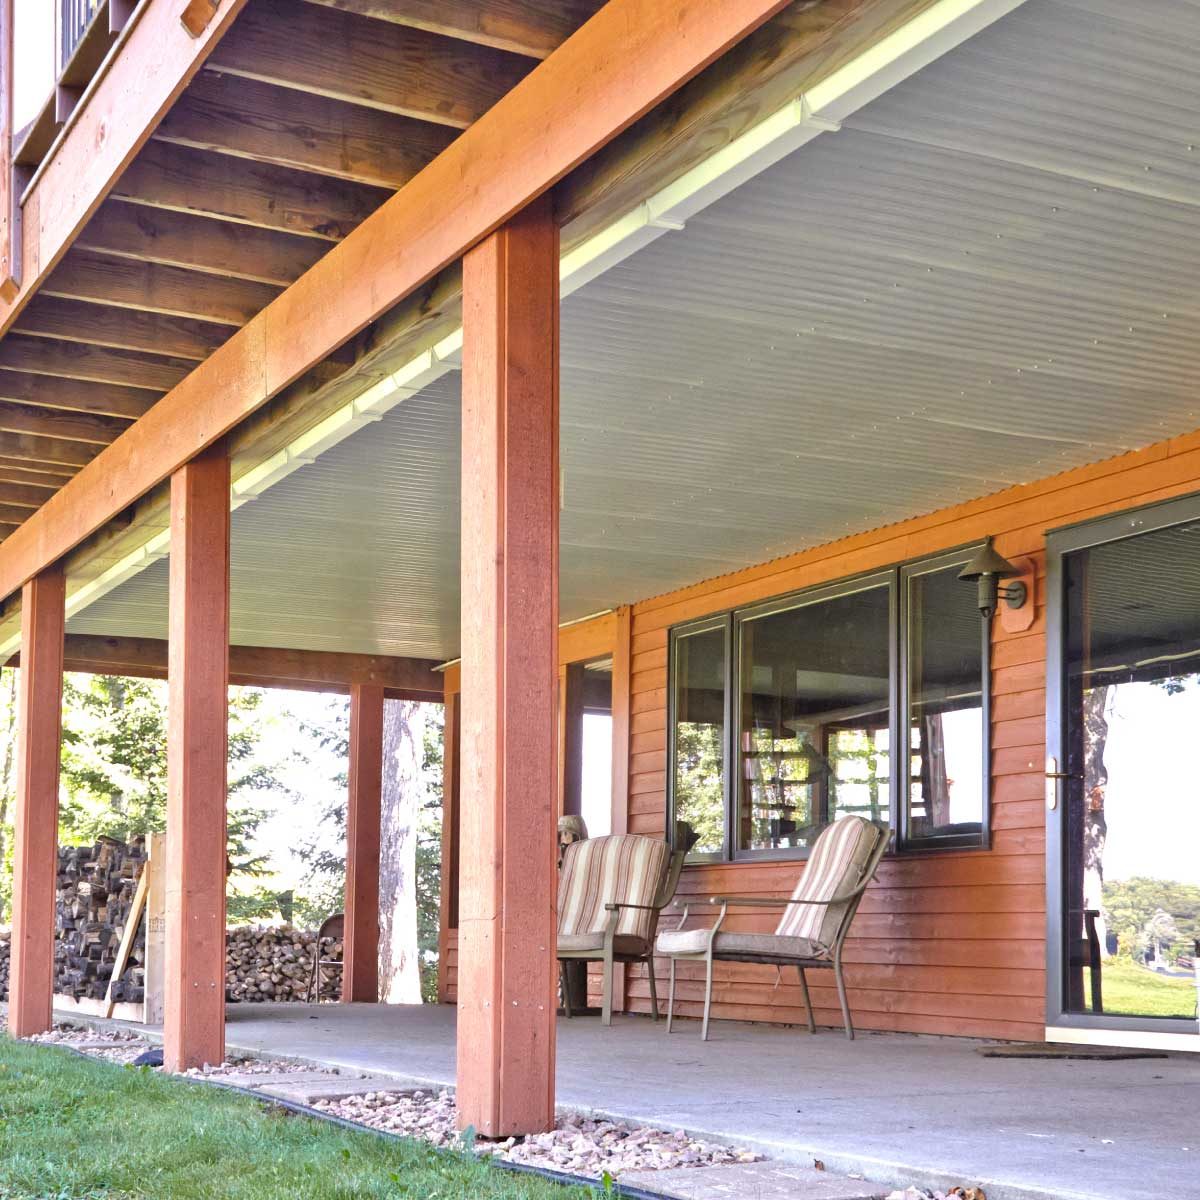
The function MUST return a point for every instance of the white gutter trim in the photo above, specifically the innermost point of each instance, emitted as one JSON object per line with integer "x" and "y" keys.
{"x": 918, "y": 42}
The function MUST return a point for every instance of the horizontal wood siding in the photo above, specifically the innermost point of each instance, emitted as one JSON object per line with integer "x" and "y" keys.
{"x": 946, "y": 943}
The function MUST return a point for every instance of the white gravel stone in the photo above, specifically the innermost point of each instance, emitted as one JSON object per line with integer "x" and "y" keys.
{"x": 579, "y": 1145}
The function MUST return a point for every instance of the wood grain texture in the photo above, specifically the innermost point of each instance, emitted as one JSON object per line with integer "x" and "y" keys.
{"x": 360, "y": 946}
{"x": 508, "y": 882}
{"x": 95, "y": 324}
{"x": 35, "y": 817}
{"x": 287, "y": 128}
{"x": 400, "y": 70}
{"x": 179, "y": 239}
{"x": 55, "y": 423}
{"x": 275, "y": 198}
{"x": 98, "y": 364}
{"x": 530, "y": 27}
{"x": 154, "y": 288}
{"x": 156, "y": 62}
{"x": 197, "y": 740}
{"x": 75, "y": 395}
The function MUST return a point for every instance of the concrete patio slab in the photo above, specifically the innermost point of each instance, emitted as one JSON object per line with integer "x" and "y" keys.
{"x": 331, "y": 1087}
{"x": 898, "y": 1109}
{"x": 753, "y": 1181}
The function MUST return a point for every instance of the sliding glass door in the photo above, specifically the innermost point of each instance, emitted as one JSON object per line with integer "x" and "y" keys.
{"x": 1123, "y": 776}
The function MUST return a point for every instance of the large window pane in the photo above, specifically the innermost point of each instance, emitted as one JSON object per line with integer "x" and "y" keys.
{"x": 947, "y": 732}
{"x": 699, "y": 676}
{"x": 813, "y": 741}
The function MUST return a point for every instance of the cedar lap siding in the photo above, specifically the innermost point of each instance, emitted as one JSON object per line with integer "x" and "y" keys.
{"x": 946, "y": 942}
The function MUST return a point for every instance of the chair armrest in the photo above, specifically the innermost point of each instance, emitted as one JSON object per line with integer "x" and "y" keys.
{"x": 615, "y": 905}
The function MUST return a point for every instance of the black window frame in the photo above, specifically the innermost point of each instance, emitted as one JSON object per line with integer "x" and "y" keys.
{"x": 896, "y": 578}
{"x": 956, "y": 841}
{"x": 723, "y": 621}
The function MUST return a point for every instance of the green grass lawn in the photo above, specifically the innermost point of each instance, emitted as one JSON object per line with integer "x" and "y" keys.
{"x": 72, "y": 1129}
{"x": 1136, "y": 991}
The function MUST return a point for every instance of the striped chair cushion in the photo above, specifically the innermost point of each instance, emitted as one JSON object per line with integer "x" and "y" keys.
{"x": 623, "y": 868}
{"x": 836, "y": 866}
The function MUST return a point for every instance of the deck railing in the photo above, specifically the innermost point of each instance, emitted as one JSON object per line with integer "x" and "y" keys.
{"x": 74, "y": 16}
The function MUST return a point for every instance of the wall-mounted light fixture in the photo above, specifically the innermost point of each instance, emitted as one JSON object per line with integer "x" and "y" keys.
{"x": 986, "y": 569}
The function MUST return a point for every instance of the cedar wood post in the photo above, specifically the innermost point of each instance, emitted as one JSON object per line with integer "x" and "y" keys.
{"x": 197, "y": 737}
{"x": 508, "y": 887}
{"x": 360, "y": 948}
{"x": 35, "y": 845}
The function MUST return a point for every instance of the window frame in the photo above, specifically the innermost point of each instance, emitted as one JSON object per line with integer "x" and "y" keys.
{"x": 896, "y": 578}
{"x": 723, "y": 621}
{"x": 818, "y": 594}
{"x": 904, "y": 841}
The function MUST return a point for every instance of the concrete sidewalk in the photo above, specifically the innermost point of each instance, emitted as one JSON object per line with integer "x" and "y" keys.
{"x": 896, "y": 1108}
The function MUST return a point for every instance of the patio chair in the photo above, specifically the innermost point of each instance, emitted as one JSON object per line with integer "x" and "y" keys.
{"x": 332, "y": 929}
{"x": 610, "y": 893}
{"x": 812, "y": 931}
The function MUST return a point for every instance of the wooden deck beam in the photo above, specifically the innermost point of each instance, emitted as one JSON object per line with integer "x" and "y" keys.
{"x": 399, "y": 70}
{"x": 508, "y": 884}
{"x": 619, "y": 65}
{"x": 533, "y": 28}
{"x": 360, "y": 944}
{"x": 275, "y": 198}
{"x": 55, "y": 423}
{"x": 287, "y": 128}
{"x": 197, "y": 739}
{"x": 97, "y": 364}
{"x": 96, "y": 324}
{"x": 196, "y": 243}
{"x": 35, "y": 825}
{"x": 153, "y": 288}
{"x": 260, "y": 666}
{"x": 155, "y": 64}
{"x": 75, "y": 395}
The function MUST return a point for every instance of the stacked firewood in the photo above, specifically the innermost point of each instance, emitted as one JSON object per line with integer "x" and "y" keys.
{"x": 96, "y": 885}
{"x": 275, "y": 964}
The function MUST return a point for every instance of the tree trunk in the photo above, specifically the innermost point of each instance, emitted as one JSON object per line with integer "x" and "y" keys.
{"x": 399, "y": 956}
{"x": 1095, "y": 785}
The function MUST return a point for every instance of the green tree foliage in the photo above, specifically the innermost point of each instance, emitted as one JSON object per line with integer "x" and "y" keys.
{"x": 1142, "y": 910}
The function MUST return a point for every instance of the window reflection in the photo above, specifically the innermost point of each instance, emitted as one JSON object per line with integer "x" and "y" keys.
{"x": 945, "y": 707}
{"x": 699, "y": 741}
{"x": 813, "y": 742}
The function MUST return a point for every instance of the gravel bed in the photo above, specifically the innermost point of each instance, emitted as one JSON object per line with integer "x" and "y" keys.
{"x": 579, "y": 1145}
{"x": 116, "y": 1046}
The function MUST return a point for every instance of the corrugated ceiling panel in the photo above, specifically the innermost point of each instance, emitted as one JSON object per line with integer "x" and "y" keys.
{"x": 988, "y": 276}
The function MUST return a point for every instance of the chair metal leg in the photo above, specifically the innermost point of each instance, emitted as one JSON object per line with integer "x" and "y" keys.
{"x": 671, "y": 996}
{"x": 808, "y": 1008}
{"x": 653, "y": 987}
{"x": 841, "y": 990}
{"x": 565, "y": 983}
{"x": 608, "y": 990}
{"x": 707, "y": 999}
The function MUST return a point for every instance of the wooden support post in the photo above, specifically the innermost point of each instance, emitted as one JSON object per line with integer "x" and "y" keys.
{"x": 35, "y": 844}
{"x": 197, "y": 739}
{"x": 621, "y": 696}
{"x": 508, "y": 887}
{"x": 360, "y": 947}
